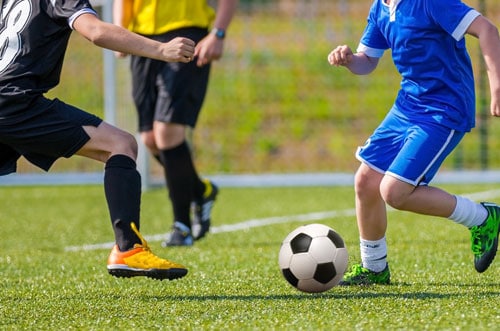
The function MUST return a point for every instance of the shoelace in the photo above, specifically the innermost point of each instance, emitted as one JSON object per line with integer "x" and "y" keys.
{"x": 356, "y": 269}
{"x": 476, "y": 240}
{"x": 144, "y": 244}
{"x": 149, "y": 257}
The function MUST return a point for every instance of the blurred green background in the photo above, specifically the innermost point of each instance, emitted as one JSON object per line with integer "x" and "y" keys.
{"x": 274, "y": 104}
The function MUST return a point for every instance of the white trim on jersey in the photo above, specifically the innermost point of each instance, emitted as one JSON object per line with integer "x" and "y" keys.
{"x": 73, "y": 17}
{"x": 369, "y": 51}
{"x": 464, "y": 24}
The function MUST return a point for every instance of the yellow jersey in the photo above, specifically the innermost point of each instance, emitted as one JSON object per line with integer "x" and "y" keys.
{"x": 153, "y": 17}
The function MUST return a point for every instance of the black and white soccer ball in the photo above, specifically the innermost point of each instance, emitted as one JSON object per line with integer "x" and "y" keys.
{"x": 313, "y": 258}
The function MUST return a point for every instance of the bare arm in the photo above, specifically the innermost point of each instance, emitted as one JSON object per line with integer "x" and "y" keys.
{"x": 211, "y": 48}
{"x": 489, "y": 42}
{"x": 119, "y": 39}
{"x": 357, "y": 63}
{"x": 122, "y": 16}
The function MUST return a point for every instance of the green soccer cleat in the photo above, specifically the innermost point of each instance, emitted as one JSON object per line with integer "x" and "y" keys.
{"x": 358, "y": 275}
{"x": 484, "y": 238}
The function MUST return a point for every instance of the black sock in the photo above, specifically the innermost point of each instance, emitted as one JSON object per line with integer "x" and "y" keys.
{"x": 122, "y": 187}
{"x": 180, "y": 176}
{"x": 198, "y": 188}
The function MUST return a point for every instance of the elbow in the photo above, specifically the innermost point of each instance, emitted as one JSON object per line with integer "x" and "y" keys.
{"x": 363, "y": 64}
{"x": 91, "y": 28}
{"x": 96, "y": 35}
{"x": 363, "y": 71}
{"x": 491, "y": 30}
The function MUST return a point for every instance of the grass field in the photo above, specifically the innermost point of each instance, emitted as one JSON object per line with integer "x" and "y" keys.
{"x": 234, "y": 282}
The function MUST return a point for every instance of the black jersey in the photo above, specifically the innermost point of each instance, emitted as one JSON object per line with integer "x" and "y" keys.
{"x": 34, "y": 36}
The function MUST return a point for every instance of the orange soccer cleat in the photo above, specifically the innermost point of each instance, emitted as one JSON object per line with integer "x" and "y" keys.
{"x": 140, "y": 261}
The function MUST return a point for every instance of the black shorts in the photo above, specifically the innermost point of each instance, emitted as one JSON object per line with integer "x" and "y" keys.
{"x": 169, "y": 92}
{"x": 48, "y": 130}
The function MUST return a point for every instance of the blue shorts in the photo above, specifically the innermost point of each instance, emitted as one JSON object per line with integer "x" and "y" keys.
{"x": 409, "y": 151}
{"x": 46, "y": 131}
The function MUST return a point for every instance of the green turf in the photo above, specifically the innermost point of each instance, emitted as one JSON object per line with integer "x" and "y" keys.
{"x": 233, "y": 281}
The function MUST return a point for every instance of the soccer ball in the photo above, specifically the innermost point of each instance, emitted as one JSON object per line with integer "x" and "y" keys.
{"x": 313, "y": 258}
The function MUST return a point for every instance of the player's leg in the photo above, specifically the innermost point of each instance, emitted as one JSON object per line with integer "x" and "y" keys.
{"x": 423, "y": 199}
{"x": 180, "y": 176}
{"x": 131, "y": 255}
{"x": 177, "y": 109}
{"x": 164, "y": 140}
{"x": 376, "y": 156}
{"x": 53, "y": 130}
{"x": 420, "y": 157}
{"x": 371, "y": 217}
{"x": 370, "y": 207}
{"x": 122, "y": 182}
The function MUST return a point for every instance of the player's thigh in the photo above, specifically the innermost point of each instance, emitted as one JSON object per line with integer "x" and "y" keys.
{"x": 367, "y": 180}
{"x": 106, "y": 140}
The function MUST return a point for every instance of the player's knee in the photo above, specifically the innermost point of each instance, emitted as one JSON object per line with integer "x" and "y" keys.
{"x": 365, "y": 184}
{"x": 393, "y": 194}
{"x": 148, "y": 140}
{"x": 124, "y": 143}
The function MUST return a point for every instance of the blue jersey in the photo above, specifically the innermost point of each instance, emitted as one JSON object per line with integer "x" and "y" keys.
{"x": 427, "y": 41}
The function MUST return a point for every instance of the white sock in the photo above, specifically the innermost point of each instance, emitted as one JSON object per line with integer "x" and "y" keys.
{"x": 373, "y": 254}
{"x": 468, "y": 212}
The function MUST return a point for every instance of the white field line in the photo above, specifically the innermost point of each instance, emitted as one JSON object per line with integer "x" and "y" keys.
{"x": 259, "y": 222}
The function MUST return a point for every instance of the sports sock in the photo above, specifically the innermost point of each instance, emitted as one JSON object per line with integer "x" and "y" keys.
{"x": 122, "y": 187}
{"x": 373, "y": 254}
{"x": 199, "y": 188}
{"x": 180, "y": 177}
{"x": 468, "y": 212}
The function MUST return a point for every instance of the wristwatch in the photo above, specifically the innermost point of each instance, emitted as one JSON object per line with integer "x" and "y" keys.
{"x": 219, "y": 33}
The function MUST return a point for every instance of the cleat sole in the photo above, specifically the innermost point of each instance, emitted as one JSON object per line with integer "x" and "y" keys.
{"x": 159, "y": 274}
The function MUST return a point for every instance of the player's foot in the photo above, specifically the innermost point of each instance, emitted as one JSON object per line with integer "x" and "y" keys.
{"x": 202, "y": 209}
{"x": 180, "y": 236}
{"x": 358, "y": 275}
{"x": 484, "y": 238}
{"x": 140, "y": 261}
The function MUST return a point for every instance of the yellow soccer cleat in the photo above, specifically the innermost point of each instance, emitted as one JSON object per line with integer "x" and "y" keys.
{"x": 140, "y": 261}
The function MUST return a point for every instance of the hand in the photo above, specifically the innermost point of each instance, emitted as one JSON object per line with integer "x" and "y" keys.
{"x": 495, "y": 107}
{"x": 179, "y": 49}
{"x": 208, "y": 49}
{"x": 340, "y": 56}
{"x": 120, "y": 55}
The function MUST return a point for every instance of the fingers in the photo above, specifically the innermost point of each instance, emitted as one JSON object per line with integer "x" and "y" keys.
{"x": 208, "y": 49}
{"x": 205, "y": 57}
{"x": 120, "y": 55}
{"x": 340, "y": 56}
{"x": 495, "y": 111}
{"x": 185, "y": 48}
